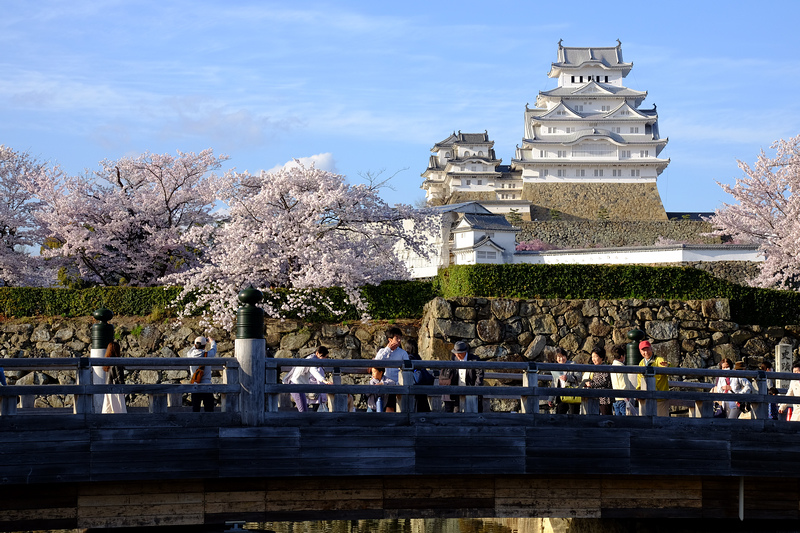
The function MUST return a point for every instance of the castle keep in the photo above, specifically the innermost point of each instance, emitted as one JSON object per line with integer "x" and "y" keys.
{"x": 588, "y": 150}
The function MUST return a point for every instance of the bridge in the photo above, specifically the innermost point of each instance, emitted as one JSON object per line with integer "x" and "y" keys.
{"x": 256, "y": 461}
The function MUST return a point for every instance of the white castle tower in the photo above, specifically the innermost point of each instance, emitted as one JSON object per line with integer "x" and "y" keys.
{"x": 588, "y": 151}
{"x": 588, "y": 146}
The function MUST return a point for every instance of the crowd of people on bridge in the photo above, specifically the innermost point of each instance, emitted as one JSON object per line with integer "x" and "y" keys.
{"x": 564, "y": 401}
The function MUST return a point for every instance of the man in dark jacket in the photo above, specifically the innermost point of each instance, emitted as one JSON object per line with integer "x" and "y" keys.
{"x": 470, "y": 377}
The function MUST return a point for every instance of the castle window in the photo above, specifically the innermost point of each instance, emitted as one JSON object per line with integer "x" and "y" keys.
{"x": 561, "y": 112}
{"x": 480, "y": 154}
{"x": 598, "y": 172}
{"x": 447, "y": 155}
{"x": 579, "y": 173}
{"x": 573, "y": 79}
{"x": 561, "y": 173}
{"x": 616, "y": 129}
{"x": 634, "y": 173}
{"x": 480, "y": 182}
{"x": 581, "y": 77}
{"x": 542, "y": 153}
{"x": 466, "y": 153}
{"x": 579, "y": 108}
{"x": 546, "y": 172}
{"x": 513, "y": 196}
{"x": 624, "y": 154}
{"x": 616, "y": 173}
{"x": 634, "y": 129}
{"x": 469, "y": 182}
{"x": 606, "y": 79}
{"x": 562, "y": 153}
{"x": 644, "y": 153}
{"x": 551, "y": 129}
{"x": 486, "y": 255}
{"x": 569, "y": 130}
{"x": 605, "y": 108}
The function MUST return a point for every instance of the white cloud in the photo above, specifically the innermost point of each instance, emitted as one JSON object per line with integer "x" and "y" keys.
{"x": 324, "y": 161}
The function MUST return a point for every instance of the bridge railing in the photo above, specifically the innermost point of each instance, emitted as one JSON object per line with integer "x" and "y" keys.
{"x": 532, "y": 391}
{"x": 534, "y": 388}
{"x": 84, "y": 389}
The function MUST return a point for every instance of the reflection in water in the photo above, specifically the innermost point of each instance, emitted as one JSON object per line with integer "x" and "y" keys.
{"x": 408, "y": 525}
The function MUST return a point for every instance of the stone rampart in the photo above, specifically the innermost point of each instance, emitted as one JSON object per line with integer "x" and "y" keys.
{"x": 608, "y": 234}
{"x": 584, "y": 201}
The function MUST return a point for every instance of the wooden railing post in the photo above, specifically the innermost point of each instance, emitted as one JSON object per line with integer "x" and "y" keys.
{"x": 339, "y": 402}
{"x": 271, "y": 377}
{"x": 230, "y": 376}
{"x": 158, "y": 403}
{"x": 650, "y": 407}
{"x": 83, "y": 403}
{"x": 406, "y": 377}
{"x": 8, "y": 405}
{"x": 761, "y": 409}
{"x": 530, "y": 378}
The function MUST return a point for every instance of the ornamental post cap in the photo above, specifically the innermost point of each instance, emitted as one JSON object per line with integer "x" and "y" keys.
{"x": 250, "y": 295}
{"x": 103, "y": 314}
{"x": 636, "y": 334}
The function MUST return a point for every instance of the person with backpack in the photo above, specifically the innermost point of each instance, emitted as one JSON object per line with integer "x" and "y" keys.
{"x": 201, "y": 374}
{"x": 115, "y": 375}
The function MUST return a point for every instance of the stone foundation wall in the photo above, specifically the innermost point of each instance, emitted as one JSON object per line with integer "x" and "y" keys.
{"x": 583, "y": 201}
{"x": 604, "y": 234}
{"x": 693, "y": 334}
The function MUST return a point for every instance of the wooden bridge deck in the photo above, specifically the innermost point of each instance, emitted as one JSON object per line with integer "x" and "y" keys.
{"x": 185, "y": 468}
{"x": 81, "y": 469}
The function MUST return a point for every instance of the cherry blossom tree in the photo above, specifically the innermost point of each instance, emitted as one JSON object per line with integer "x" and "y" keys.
{"x": 299, "y": 228}
{"x": 19, "y": 231}
{"x": 768, "y": 213}
{"x": 122, "y": 224}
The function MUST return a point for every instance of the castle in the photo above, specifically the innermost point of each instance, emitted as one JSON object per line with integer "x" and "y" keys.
{"x": 588, "y": 150}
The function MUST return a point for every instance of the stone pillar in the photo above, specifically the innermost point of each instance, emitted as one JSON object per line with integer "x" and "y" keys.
{"x": 102, "y": 335}
{"x": 783, "y": 363}
{"x": 250, "y": 350}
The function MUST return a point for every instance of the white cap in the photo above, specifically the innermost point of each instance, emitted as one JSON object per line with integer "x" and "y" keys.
{"x": 200, "y": 340}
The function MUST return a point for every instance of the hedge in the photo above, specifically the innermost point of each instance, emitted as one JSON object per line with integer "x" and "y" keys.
{"x": 610, "y": 282}
{"x": 133, "y": 301}
{"x": 389, "y": 300}
{"x": 406, "y": 299}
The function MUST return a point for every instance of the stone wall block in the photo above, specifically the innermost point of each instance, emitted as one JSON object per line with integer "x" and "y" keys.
{"x": 590, "y": 308}
{"x": 40, "y": 334}
{"x": 669, "y": 350}
{"x": 490, "y": 331}
{"x": 598, "y": 328}
{"x": 543, "y": 324}
{"x": 719, "y": 309}
{"x": 439, "y": 308}
{"x": 725, "y": 350}
{"x": 535, "y": 349}
{"x": 468, "y": 314}
{"x": 661, "y": 330}
{"x": 64, "y": 334}
{"x": 573, "y": 318}
{"x": 295, "y": 341}
{"x": 758, "y": 347}
{"x": 454, "y": 328}
{"x": 504, "y": 309}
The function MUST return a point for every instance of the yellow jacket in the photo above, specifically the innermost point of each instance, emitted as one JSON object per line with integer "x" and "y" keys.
{"x": 662, "y": 381}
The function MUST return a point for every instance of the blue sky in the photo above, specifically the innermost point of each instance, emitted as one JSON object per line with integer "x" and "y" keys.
{"x": 365, "y": 86}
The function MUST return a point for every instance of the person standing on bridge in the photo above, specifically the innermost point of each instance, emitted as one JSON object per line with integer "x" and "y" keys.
{"x": 662, "y": 380}
{"x": 794, "y": 390}
{"x": 305, "y": 375}
{"x": 564, "y": 380}
{"x": 469, "y": 377}
{"x": 115, "y": 375}
{"x": 620, "y": 381}
{"x": 392, "y": 352}
{"x": 201, "y": 374}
